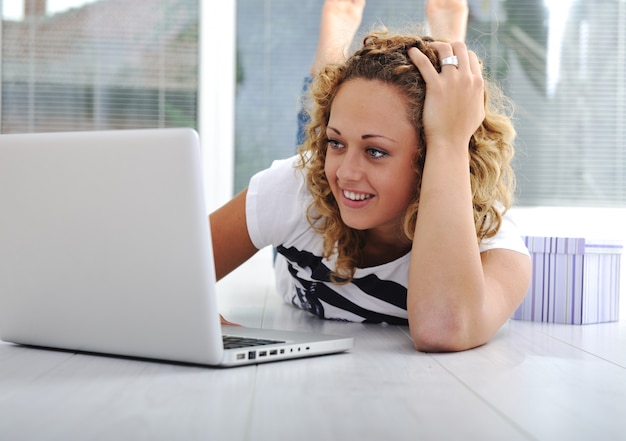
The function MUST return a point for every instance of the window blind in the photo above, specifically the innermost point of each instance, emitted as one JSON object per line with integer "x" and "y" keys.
{"x": 109, "y": 64}
{"x": 562, "y": 62}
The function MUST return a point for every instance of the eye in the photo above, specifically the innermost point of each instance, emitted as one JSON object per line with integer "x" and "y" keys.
{"x": 375, "y": 153}
{"x": 334, "y": 144}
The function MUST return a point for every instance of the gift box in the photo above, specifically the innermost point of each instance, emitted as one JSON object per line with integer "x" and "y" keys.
{"x": 575, "y": 281}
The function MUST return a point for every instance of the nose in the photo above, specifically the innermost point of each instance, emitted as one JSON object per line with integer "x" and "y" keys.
{"x": 350, "y": 168}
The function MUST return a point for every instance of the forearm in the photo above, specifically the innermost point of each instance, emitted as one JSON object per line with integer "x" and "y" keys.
{"x": 231, "y": 241}
{"x": 446, "y": 282}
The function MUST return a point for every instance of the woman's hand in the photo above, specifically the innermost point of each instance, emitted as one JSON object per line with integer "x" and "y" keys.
{"x": 226, "y": 322}
{"x": 454, "y": 107}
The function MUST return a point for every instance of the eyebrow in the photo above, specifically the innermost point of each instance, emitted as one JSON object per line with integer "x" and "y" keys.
{"x": 366, "y": 136}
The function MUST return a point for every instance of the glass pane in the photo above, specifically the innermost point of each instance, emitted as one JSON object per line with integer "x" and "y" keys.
{"x": 99, "y": 65}
{"x": 561, "y": 61}
{"x": 276, "y": 42}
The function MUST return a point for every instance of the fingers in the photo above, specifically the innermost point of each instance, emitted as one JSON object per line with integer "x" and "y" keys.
{"x": 454, "y": 103}
{"x": 467, "y": 59}
{"x": 458, "y": 49}
{"x": 475, "y": 65}
{"x": 225, "y": 322}
{"x": 423, "y": 64}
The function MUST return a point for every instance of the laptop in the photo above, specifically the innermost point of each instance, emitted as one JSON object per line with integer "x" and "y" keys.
{"x": 105, "y": 248}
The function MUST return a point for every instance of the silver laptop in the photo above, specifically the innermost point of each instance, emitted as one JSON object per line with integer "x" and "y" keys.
{"x": 105, "y": 247}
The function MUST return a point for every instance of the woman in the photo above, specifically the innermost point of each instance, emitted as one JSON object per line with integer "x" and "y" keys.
{"x": 395, "y": 209}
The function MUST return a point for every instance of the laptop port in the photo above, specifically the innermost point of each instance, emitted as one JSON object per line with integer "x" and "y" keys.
{"x": 274, "y": 352}
{"x": 251, "y": 355}
{"x": 262, "y": 353}
{"x": 241, "y": 356}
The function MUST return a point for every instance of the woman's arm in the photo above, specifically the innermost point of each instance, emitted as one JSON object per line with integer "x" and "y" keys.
{"x": 457, "y": 298}
{"x": 232, "y": 245}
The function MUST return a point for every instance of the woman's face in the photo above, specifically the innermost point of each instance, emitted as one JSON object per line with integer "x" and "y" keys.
{"x": 371, "y": 147}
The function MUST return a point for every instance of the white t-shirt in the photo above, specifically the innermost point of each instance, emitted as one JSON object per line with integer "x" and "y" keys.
{"x": 275, "y": 210}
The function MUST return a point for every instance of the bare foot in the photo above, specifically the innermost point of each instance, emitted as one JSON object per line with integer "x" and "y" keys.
{"x": 447, "y": 19}
{"x": 339, "y": 23}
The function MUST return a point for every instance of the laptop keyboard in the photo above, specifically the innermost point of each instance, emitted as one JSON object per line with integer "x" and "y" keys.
{"x": 233, "y": 342}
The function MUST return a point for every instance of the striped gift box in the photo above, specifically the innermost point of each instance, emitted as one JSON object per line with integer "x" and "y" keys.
{"x": 575, "y": 281}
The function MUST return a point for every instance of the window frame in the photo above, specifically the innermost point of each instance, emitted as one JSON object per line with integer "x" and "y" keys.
{"x": 216, "y": 99}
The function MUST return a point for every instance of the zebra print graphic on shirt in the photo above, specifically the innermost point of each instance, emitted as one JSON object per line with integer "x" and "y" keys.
{"x": 317, "y": 290}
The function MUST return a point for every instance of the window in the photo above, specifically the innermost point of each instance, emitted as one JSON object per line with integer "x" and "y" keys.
{"x": 104, "y": 64}
{"x": 568, "y": 85}
{"x": 69, "y": 65}
{"x": 561, "y": 61}
{"x": 100, "y": 65}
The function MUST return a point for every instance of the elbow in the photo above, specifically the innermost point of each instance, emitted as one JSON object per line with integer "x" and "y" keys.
{"x": 430, "y": 342}
{"x": 447, "y": 333}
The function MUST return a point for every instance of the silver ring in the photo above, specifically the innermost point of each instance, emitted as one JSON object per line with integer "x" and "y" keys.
{"x": 452, "y": 60}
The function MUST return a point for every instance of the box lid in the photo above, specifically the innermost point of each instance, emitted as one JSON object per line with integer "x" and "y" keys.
{"x": 572, "y": 245}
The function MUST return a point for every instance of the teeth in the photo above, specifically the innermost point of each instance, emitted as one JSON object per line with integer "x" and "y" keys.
{"x": 355, "y": 196}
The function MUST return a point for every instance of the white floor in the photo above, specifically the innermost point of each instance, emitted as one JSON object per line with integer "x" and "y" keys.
{"x": 534, "y": 381}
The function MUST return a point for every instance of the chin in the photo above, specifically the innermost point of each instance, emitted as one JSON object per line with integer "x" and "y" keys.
{"x": 356, "y": 225}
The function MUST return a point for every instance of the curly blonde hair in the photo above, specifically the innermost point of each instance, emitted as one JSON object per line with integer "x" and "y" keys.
{"x": 383, "y": 57}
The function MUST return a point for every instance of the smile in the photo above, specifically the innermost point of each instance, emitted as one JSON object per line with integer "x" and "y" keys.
{"x": 356, "y": 196}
